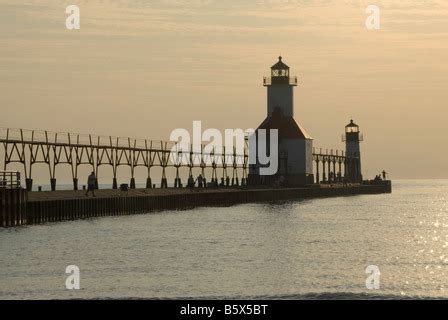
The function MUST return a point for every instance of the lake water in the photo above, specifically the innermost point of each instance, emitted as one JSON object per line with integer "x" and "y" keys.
{"x": 291, "y": 250}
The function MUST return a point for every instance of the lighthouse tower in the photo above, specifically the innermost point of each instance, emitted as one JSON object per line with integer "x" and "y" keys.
{"x": 295, "y": 158}
{"x": 353, "y": 152}
{"x": 280, "y": 89}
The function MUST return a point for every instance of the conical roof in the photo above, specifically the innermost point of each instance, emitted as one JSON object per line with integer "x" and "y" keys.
{"x": 351, "y": 124}
{"x": 280, "y": 65}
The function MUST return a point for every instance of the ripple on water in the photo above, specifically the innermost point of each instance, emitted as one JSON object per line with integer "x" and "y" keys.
{"x": 314, "y": 249}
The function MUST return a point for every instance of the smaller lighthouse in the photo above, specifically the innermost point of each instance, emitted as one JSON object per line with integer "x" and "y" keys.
{"x": 353, "y": 152}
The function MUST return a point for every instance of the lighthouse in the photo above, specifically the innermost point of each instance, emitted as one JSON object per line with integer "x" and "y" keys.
{"x": 295, "y": 145}
{"x": 352, "y": 139}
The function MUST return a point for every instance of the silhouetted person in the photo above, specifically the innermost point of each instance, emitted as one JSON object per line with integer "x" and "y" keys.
{"x": 191, "y": 182}
{"x": 377, "y": 178}
{"x": 91, "y": 180}
{"x": 200, "y": 180}
{"x": 384, "y": 174}
{"x": 227, "y": 181}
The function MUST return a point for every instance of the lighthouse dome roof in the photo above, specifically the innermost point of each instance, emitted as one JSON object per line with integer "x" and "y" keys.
{"x": 280, "y": 65}
{"x": 351, "y": 124}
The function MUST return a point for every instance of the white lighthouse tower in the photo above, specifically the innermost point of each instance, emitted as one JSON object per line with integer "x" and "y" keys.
{"x": 295, "y": 163}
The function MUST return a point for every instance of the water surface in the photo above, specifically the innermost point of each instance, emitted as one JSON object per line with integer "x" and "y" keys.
{"x": 290, "y": 250}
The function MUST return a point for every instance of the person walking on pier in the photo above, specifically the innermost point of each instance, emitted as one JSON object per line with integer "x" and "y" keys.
{"x": 191, "y": 182}
{"x": 200, "y": 180}
{"x": 91, "y": 180}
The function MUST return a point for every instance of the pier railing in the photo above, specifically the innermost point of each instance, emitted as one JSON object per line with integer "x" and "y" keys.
{"x": 31, "y": 147}
{"x": 9, "y": 180}
{"x": 334, "y": 166}
{"x": 267, "y": 81}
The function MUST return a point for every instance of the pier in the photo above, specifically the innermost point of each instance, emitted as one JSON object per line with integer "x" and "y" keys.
{"x": 20, "y": 205}
{"x": 55, "y": 206}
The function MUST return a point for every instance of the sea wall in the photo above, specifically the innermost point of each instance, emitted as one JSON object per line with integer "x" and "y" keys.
{"x": 13, "y": 207}
{"x": 53, "y": 210}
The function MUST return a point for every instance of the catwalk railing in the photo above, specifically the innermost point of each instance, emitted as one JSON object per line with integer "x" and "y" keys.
{"x": 336, "y": 166}
{"x": 31, "y": 147}
{"x": 9, "y": 180}
{"x": 267, "y": 81}
{"x": 13, "y": 200}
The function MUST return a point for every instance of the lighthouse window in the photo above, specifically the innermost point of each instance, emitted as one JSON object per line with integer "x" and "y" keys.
{"x": 280, "y": 73}
{"x": 351, "y": 129}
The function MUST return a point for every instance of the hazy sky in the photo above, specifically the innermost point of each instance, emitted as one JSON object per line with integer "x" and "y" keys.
{"x": 143, "y": 68}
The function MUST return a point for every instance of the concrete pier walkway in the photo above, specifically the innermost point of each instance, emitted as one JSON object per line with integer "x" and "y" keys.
{"x": 112, "y": 193}
{"x": 53, "y": 206}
